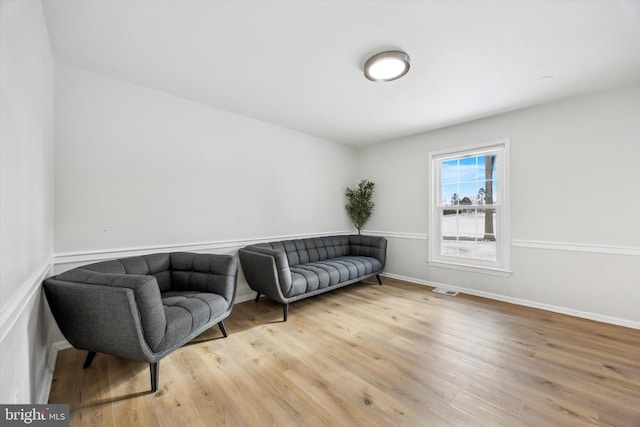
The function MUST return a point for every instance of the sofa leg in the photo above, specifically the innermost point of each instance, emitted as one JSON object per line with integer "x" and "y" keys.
{"x": 379, "y": 281}
{"x": 89, "y": 359}
{"x": 285, "y": 311}
{"x": 154, "y": 368}
{"x": 223, "y": 328}
{"x": 257, "y": 296}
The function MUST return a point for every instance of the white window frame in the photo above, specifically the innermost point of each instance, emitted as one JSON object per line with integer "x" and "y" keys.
{"x": 501, "y": 266}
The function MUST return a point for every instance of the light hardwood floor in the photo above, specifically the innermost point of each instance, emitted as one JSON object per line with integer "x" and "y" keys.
{"x": 370, "y": 355}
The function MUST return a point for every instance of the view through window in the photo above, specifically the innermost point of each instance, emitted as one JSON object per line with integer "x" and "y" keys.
{"x": 468, "y": 207}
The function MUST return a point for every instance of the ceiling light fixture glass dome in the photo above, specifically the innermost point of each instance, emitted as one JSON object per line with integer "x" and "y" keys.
{"x": 387, "y": 66}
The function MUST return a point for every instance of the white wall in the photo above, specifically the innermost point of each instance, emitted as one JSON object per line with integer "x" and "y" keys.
{"x": 26, "y": 197}
{"x": 575, "y": 205}
{"x": 136, "y": 168}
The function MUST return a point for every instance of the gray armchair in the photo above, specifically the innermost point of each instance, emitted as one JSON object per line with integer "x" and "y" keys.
{"x": 143, "y": 308}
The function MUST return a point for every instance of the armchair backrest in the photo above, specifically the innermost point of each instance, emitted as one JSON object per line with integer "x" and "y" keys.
{"x": 204, "y": 273}
{"x": 178, "y": 271}
{"x": 157, "y": 265}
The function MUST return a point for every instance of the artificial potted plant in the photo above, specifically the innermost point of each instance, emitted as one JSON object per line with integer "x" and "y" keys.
{"x": 360, "y": 206}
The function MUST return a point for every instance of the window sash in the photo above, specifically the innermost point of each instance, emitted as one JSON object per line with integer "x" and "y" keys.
{"x": 437, "y": 253}
{"x": 474, "y": 239}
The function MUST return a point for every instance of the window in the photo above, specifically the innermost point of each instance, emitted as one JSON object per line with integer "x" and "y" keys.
{"x": 469, "y": 215}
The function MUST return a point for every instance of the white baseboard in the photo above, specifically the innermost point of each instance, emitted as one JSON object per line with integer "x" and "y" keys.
{"x": 52, "y": 356}
{"x": 519, "y": 301}
{"x": 245, "y": 298}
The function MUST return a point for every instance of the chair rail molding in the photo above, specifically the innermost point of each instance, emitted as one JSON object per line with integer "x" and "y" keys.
{"x": 397, "y": 235}
{"x": 105, "y": 254}
{"x": 577, "y": 247}
{"x": 529, "y": 244}
{"x": 15, "y": 308}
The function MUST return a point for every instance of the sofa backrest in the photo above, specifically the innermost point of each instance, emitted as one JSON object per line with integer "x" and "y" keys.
{"x": 314, "y": 249}
{"x": 372, "y": 246}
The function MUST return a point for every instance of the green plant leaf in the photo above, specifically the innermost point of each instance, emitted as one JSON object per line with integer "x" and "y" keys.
{"x": 360, "y": 206}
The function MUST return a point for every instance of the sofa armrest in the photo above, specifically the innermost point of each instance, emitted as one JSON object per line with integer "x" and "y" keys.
{"x": 120, "y": 314}
{"x": 266, "y": 270}
{"x": 373, "y": 246}
{"x": 211, "y": 273}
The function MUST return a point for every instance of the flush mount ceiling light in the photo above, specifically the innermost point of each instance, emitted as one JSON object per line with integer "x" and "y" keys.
{"x": 387, "y": 66}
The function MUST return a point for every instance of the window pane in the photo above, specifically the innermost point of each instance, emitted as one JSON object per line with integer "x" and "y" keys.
{"x": 488, "y": 178}
{"x": 487, "y": 197}
{"x": 468, "y": 169}
{"x": 449, "y": 225}
{"x": 485, "y": 162}
{"x": 495, "y": 191}
{"x": 449, "y": 172}
{"x": 449, "y": 195}
{"x": 480, "y": 250}
{"x": 487, "y": 219}
{"x": 468, "y": 193}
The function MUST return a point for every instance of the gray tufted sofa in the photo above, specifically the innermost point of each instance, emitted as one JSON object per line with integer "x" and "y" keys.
{"x": 143, "y": 307}
{"x": 291, "y": 270}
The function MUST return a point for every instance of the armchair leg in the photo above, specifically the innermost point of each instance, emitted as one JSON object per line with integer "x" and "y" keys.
{"x": 154, "y": 368}
{"x": 257, "y": 296}
{"x": 285, "y": 311}
{"x": 89, "y": 359}
{"x": 379, "y": 281}
{"x": 223, "y": 328}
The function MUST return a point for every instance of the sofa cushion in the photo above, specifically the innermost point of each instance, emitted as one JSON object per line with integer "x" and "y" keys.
{"x": 186, "y": 311}
{"x": 311, "y": 276}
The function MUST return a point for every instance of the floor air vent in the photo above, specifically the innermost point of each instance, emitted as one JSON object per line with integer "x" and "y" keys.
{"x": 445, "y": 291}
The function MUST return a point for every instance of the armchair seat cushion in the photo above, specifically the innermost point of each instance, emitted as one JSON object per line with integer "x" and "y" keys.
{"x": 187, "y": 312}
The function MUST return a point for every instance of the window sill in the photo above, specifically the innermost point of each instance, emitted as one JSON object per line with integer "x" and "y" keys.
{"x": 495, "y": 271}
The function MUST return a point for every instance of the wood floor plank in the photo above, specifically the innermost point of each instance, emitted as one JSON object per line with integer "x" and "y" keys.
{"x": 391, "y": 355}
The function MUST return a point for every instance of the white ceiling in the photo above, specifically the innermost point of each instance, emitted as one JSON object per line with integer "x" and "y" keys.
{"x": 298, "y": 64}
